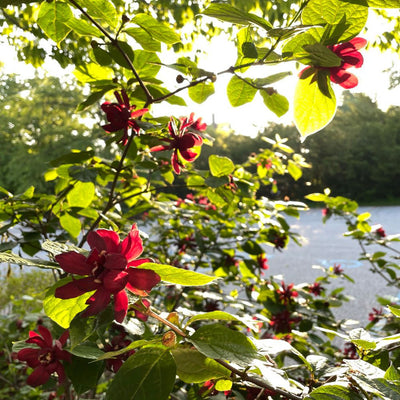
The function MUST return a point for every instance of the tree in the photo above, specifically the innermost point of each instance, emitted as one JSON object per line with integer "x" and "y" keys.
{"x": 135, "y": 317}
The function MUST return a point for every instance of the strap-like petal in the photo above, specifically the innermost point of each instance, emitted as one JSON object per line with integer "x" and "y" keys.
{"x": 73, "y": 263}
{"x": 120, "y": 305}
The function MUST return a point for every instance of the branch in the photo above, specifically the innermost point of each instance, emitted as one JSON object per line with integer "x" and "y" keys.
{"x": 115, "y": 43}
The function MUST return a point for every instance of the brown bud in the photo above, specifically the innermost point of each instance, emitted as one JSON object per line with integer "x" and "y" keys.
{"x": 180, "y": 78}
{"x": 115, "y": 80}
{"x": 169, "y": 339}
{"x": 213, "y": 78}
{"x": 125, "y": 19}
{"x": 270, "y": 90}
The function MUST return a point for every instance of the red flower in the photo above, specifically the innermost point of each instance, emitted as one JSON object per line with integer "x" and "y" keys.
{"x": 283, "y": 322}
{"x": 117, "y": 343}
{"x": 315, "y": 288}
{"x": 140, "y": 313}
{"x": 375, "y": 315}
{"x": 45, "y": 360}
{"x": 262, "y": 261}
{"x": 108, "y": 270}
{"x": 121, "y": 116}
{"x": 337, "y": 269}
{"x": 350, "y": 58}
{"x": 287, "y": 293}
{"x": 380, "y": 232}
{"x": 182, "y": 141}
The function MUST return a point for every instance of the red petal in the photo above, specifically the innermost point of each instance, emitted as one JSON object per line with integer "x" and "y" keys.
{"x": 188, "y": 155}
{"x": 64, "y": 337}
{"x": 36, "y": 339}
{"x": 104, "y": 239}
{"x": 142, "y": 279}
{"x": 344, "y": 79}
{"x": 31, "y": 356}
{"x": 73, "y": 263}
{"x": 358, "y": 42}
{"x": 175, "y": 163}
{"x": 132, "y": 246}
{"x": 160, "y": 147}
{"x": 98, "y": 302}
{"x": 76, "y": 288}
{"x": 115, "y": 262}
{"x": 38, "y": 376}
{"x": 120, "y": 305}
{"x": 114, "y": 281}
{"x": 60, "y": 372}
{"x": 139, "y": 113}
{"x": 140, "y": 261}
{"x": 46, "y": 334}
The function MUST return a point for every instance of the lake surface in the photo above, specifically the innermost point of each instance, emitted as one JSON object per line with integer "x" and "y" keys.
{"x": 324, "y": 245}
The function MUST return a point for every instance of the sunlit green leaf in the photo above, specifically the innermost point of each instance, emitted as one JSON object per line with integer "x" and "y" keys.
{"x": 83, "y": 28}
{"x": 103, "y": 10}
{"x": 144, "y": 39}
{"x": 148, "y": 374}
{"x": 53, "y": 17}
{"x": 277, "y": 103}
{"x": 220, "y": 166}
{"x": 201, "y": 92}
{"x": 81, "y": 195}
{"x": 240, "y": 91}
{"x": 71, "y": 224}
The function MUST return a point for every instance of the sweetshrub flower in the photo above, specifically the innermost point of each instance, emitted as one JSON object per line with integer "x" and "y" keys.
{"x": 110, "y": 268}
{"x": 46, "y": 359}
{"x": 351, "y": 57}
{"x": 183, "y": 141}
{"x": 121, "y": 116}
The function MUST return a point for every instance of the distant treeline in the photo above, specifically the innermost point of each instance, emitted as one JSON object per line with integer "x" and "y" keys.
{"x": 357, "y": 155}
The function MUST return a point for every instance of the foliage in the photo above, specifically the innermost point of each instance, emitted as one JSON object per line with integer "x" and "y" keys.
{"x": 194, "y": 316}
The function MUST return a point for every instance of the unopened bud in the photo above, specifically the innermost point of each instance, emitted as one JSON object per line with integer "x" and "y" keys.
{"x": 173, "y": 318}
{"x": 180, "y": 78}
{"x": 125, "y": 19}
{"x": 213, "y": 78}
{"x": 270, "y": 90}
{"x": 169, "y": 339}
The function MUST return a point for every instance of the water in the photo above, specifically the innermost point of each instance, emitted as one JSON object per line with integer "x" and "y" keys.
{"x": 324, "y": 245}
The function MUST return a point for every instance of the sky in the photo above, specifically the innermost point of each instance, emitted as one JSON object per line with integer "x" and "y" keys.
{"x": 249, "y": 119}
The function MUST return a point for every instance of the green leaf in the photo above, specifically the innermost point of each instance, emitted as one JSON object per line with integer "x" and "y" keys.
{"x": 220, "y": 315}
{"x": 103, "y": 10}
{"x": 63, "y": 311}
{"x": 101, "y": 56}
{"x": 71, "y": 224}
{"x": 144, "y": 39}
{"x": 87, "y": 350}
{"x": 179, "y": 276}
{"x": 93, "y": 98}
{"x": 220, "y": 166}
{"x": 81, "y": 195}
{"x": 223, "y": 385}
{"x": 201, "y": 92}
{"x": 147, "y": 374}
{"x": 321, "y": 56}
{"x": 131, "y": 346}
{"x": 55, "y": 248}
{"x": 271, "y": 79}
{"x": 92, "y": 72}
{"x": 277, "y": 103}
{"x": 14, "y": 259}
{"x": 317, "y": 197}
{"x": 52, "y": 19}
{"x": 240, "y": 91}
{"x": 313, "y": 110}
{"x": 334, "y": 12}
{"x": 218, "y": 341}
{"x": 394, "y": 310}
{"x": 249, "y": 50}
{"x": 83, "y": 373}
{"x": 333, "y": 392}
{"x": 117, "y": 55}
{"x": 156, "y": 29}
{"x": 74, "y": 157}
{"x": 227, "y": 13}
{"x": 392, "y": 374}
{"x": 146, "y": 63}
{"x": 376, "y": 3}
{"x": 83, "y": 28}
{"x": 294, "y": 171}
{"x": 194, "y": 367}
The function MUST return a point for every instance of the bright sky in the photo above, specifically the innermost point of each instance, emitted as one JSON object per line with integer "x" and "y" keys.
{"x": 251, "y": 118}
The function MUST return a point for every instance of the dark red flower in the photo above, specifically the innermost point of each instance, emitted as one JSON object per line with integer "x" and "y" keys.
{"x": 337, "y": 269}
{"x": 350, "y": 351}
{"x": 46, "y": 359}
{"x": 375, "y": 315}
{"x": 121, "y": 116}
{"x": 316, "y": 289}
{"x": 108, "y": 270}
{"x": 351, "y": 57}
{"x": 380, "y": 232}
{"x": 286, "y": 294}
{"x": 117, "y": 343}
{"x": 283, "y": 322}
{"x": 184, "y": 139}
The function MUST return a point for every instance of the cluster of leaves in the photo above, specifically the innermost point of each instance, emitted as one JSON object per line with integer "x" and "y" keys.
{"x": 205, "y": 252}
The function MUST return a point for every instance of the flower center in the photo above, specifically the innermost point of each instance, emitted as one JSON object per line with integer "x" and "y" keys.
{"x": 46, "y": 358}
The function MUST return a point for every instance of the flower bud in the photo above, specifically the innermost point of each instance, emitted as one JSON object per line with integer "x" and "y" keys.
{"x": 125, "y": 19}
{"x": 169, "y": 339}
{"x": 179, "y": 78}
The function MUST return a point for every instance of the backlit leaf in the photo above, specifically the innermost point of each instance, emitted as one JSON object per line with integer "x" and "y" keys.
{"x": 103, "y": 10}
{"x": 63, "y": 311}
{"x": 81, "y": 195}
{"x": 220, "y": 166}
{"x": 53, "y": 18}
{"x": 201, "y": 92}
{"x": 277, "y": 103}
{"x": 71, "y": 224}
{"x": 313, "y": 110}
{"x": 240, "y": 92}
